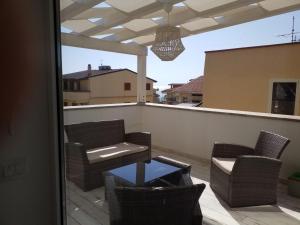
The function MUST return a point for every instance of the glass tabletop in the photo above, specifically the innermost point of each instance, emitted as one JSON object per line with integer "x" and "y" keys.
{"x": 142, "y": 173}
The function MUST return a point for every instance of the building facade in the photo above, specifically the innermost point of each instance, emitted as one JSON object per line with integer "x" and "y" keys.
{"x": 190, "y": 92}
{"x": 103, "y": 86}
{"x": 259, "y": 79}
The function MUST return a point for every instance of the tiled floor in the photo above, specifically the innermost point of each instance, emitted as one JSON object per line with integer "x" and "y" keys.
{"x": 89, "y": 208}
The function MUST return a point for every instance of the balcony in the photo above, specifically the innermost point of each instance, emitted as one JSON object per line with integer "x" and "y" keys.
{"x": 187, "y": 134}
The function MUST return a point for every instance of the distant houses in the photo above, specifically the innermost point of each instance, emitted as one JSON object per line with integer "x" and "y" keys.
{"x": 103, "y": 86}
{"x": 189, "y": 94}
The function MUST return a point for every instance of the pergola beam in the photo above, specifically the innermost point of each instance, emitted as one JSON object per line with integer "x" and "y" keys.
{"x": 232, "y": 20}
{"x": 182, "y": 17}
{"x": 121, "y": 18}
{"x": 76, "y": 8}
{"x": 93, "y": 43}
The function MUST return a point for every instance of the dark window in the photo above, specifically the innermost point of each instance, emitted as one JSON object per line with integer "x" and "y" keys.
{"x": 71, "y": 85}
{"x": 196, "y": 94}
{"x": 74, "y": 104}
{"x": 65, "y": 85}
{"x": 148, "y": 86}
{"x": 127, "y": 86}
{"x": 75, "y": 85}
{"x": 65, "y": 104}
{"x": 283, "y": 98}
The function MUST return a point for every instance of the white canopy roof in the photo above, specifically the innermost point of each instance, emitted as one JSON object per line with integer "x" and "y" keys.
{"x": 128, "y": 25}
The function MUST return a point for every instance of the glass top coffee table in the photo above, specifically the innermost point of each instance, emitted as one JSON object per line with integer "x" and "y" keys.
{"x": 143, "y": 174}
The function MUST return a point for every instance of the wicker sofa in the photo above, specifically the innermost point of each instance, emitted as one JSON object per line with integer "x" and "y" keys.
{"x": 244, "y": 176}
{"x": 94, "y": 147}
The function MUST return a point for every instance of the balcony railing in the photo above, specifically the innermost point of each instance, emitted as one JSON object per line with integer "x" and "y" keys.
{"x": 192, "y": 131}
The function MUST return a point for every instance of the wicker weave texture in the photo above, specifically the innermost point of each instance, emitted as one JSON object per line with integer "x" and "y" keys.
{"x": 254, "y": 178}
{"x": 84, "y": 136}
{"x": 167, "y": 45}
{"x": 153, "y": 206}
{"x": 270, "y": 144}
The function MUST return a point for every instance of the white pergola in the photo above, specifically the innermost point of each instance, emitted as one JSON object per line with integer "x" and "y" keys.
{"x": 128, "y": 26}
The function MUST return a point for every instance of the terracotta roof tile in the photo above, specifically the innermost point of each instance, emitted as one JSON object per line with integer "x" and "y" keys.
{"x": 195, "y": 86}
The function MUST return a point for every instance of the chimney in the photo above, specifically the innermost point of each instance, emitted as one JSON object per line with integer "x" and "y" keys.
{"x": 89, "y": 70}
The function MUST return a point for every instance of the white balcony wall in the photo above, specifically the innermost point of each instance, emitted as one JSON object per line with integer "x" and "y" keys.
{"x": 192, "y": 131}
{"x": 74, "y": 95}
{"x": 131, "y": 113}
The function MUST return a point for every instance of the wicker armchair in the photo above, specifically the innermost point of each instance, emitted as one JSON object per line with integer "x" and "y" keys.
{"x": 244, "y": 176}
{"x": 176, "y": 205}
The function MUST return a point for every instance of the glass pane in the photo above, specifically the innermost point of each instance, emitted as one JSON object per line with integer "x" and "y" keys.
{"x": 283, "y": 98}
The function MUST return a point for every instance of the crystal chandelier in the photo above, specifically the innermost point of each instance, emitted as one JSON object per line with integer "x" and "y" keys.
{"x": 167, "y": 44}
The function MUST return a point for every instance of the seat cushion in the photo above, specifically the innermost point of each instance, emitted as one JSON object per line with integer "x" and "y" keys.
{"x": 225, "y": 164}
{"x": 113, "y": 151}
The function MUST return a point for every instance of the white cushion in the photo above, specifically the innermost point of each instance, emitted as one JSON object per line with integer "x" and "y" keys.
{"x": 225, "y": 164}
{"x": 113, "y": 151}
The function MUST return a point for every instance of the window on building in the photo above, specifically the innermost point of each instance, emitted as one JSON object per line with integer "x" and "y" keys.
{"x": 71, "y": 87}
{"x": 75, "y": 86}
{"x": 74, "y": 104}
{"x": 65, "y": 103}
{"x": 148, "y": 86}
{"x": 283, "y": 98}
{"x": 65, "y": 85}
{"x": 127, "y": 86}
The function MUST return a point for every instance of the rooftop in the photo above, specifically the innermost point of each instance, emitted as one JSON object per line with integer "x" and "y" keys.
{"x": 194, "y": 86}
{"x": 86, "y": 74}
{"x": 254, "y": 47}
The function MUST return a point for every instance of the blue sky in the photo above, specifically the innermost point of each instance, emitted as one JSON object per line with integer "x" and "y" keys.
{"x": 190, "y": 63}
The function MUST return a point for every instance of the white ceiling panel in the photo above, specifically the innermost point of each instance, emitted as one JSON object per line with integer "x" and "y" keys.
{"x": 203, "y": 5}
{"x": 199, "y": 24}
{"x": 129, "y": 5}
{"x": 144, "y": 39}
{"x": 78, "y": 25}
{"x": 140, "y": 24}
{"x": 271, "y": 5}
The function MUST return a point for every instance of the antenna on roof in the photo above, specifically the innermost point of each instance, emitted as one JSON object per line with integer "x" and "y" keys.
{"x": 101, "y": 62}
{"x": 293, "y": 33}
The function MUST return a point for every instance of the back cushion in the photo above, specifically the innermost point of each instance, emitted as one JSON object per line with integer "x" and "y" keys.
{"x": 96, "y": 134}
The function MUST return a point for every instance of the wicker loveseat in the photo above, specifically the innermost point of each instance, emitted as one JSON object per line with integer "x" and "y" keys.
{"x": 244, "y": 176}
{"x": 94, "y": 147}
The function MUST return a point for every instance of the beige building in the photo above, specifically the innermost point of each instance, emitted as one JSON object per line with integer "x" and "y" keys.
{"x": 103, "y": 86}
{"x": 189, "y": 93}
{"x": 258, "y": 79}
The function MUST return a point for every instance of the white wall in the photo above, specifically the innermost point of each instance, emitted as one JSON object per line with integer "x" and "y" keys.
{"x": 194, "y": 131}
{"x": 130, "y": 112}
